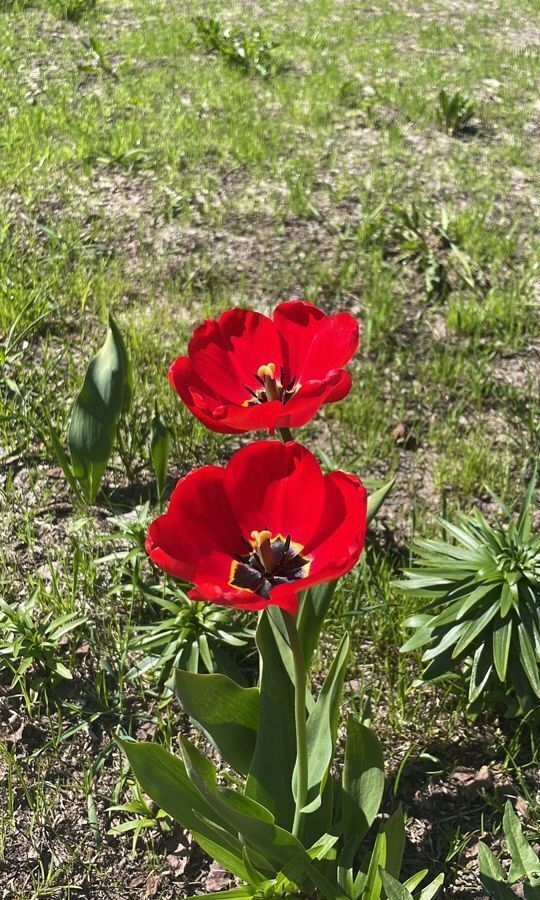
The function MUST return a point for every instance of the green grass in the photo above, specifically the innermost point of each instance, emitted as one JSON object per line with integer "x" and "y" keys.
{"x": 151, "y": 176}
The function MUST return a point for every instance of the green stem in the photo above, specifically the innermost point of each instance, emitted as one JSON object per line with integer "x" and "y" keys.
{"x": 300, "y": 719}
{"x": 286, "y": 434}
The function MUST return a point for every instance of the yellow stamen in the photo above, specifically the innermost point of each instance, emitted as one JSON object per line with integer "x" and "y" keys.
{"x": 259, "y": 537}
{"x": 267, "y": 371}
{"x": 263, "y": 548}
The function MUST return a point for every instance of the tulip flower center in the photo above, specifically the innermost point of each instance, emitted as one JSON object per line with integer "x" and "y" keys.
{"x": 271, "y": 560}
{"x": 271, "y": 388}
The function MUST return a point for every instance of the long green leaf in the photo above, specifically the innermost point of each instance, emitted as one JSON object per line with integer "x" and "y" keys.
{"x": 227, "y": 713}
{"x": 412, "y": 883}
{"x": 104, "y": 396}
{"x": 524, "y": 518}
{"x": 254, "y": 823}
{"x": 164, "y": 778}
{"x": 492, "y": 875}
{"x": 448, "y": 639}
{"x": 312, "y": 613}
{"x": 322, "y": 725}
{"x": 394, "y": 889}
{"x": 422, "y": 637}
{"x": 63, "y": 461}
{"x": 480, "y": 671}
{"x": 373, "y": 883}
{"x": 528, "y": 659}
{"x": 524, "y": 860}
{"x": 432, "y": 889}
{"x": 238, "y": 893}
{"x": 270, "y": 777}
{"x": 502, "y": 637}
{"x": 442, "y": 665}
{"x": 362, "y": 783}
{"x": 160, "y": 438}
{"x": 473, "y": 629}
{"x": 376, "y": 500}
{"x": 394, "y": 831}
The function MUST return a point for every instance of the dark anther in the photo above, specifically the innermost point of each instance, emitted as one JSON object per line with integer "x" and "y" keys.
{"x": 249, "y": 571}
{"x": 253, "y": 393}
{"x": 285, "y": 548}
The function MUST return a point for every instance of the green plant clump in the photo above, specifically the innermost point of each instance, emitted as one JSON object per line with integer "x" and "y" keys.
{"x": 249, "y": 51}
{"x": 29, "y": 644}
{"x": 525, "y": 866}
{"x": 483, "y": 583}
{"x": 455, "y": 111}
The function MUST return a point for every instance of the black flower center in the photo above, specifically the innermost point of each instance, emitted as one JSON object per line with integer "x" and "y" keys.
{"x": 271, "y": 561}
{"x": 271, "y": 388}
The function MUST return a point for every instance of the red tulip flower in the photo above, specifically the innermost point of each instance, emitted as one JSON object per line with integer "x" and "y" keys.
{"x": 268, "y": 525}
{"x": 247, "y": 372}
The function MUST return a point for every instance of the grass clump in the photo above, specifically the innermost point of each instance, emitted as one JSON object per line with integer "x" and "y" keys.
{"x": 250, "y": 51}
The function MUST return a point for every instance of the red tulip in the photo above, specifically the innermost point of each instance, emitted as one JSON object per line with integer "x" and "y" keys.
{"x": 246, "y": 372}
{"x": 263, "y": 528}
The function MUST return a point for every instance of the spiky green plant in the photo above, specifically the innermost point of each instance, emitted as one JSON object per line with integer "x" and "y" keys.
{"x": 192, "y": 636}
{"x": 483, "y": 584}
{"x": 455, "y": 111}
{"x": 182, "y": 633}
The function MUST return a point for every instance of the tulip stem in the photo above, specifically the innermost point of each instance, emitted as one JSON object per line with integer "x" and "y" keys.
{"x": 286, "y": 434}
{"x": 300, "y": 719}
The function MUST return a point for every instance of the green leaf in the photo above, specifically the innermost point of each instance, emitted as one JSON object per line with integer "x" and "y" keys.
{"x": 362, "y": 783}
{"x": 502, "y": 637}
{"x": 523, "y": 522}
{"x": 255, "y": 825}
{"x": 376, "y": 500}
{"x": 373, "y": 883}
{"x": 238, "y": 893}
{"x": 412, "y": 883}
{"x": 432, "y": 889}
{"x": 63, "y": 461}
{"x": 442, "y": 665}
{"x": 492, "y": 875}
{"x": 507, "y": 600}
{"x": 520, "y": 683}
{"x": 104, "y": 396}
{"x": 480, "y": 671}
{"x": 524, "y": 860}
{"x": 394, "y": 890}
{"x": 322, "y": 725}
{"x": 473, "y": 629}
{"x": 447, "y": 640}
{"x": 159, "y": 451}
{"x": 225, "y": 712}
{"x": 164, "y": 778}
{"x": 528, "y": 659}
{"x": 421, "y": 637}
{"x": 394, "y": 831}
{"x": 270, "y": 777}
{"x": 61, "y": 670}
{"x": 313, "y": 610}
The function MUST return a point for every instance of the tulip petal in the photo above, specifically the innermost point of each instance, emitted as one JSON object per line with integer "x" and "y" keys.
{"x": 197, "y": 538}
{"x": 226, "y": 353}
{"x": 314, "y": 344}
{"x": 275, "y": 486}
